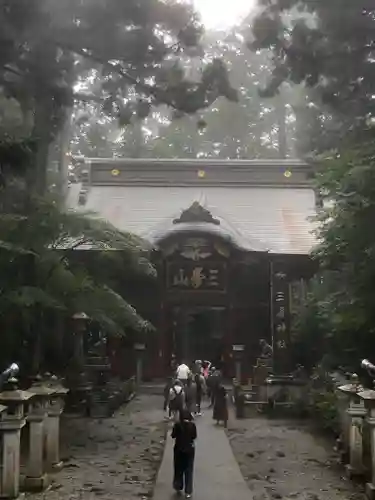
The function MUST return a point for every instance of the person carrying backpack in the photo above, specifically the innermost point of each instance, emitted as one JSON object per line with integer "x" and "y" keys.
{"x": 176, "y": 399}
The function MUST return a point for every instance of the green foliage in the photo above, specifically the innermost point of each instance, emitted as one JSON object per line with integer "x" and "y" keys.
{"x": 327, "y": 46}
{"x": 40, "y": 272}
{"x": 324, "y": 402}
{"x": 254, "y": 122}
{"x": 50, "y": 50}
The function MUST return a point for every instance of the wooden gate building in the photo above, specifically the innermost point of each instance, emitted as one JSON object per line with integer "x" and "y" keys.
{"x": 231, "y": 243}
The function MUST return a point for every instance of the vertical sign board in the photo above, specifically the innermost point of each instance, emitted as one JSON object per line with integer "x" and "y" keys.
{"x": 280, "y": 318}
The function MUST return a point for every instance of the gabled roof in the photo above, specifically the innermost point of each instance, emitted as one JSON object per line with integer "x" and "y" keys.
{"x": 259, "y": 205}
{"x": 198, "y": 219}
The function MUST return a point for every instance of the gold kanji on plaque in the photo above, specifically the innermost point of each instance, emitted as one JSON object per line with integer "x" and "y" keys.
{"x": 180, "y": 278}
{"x": 197, "y": 277}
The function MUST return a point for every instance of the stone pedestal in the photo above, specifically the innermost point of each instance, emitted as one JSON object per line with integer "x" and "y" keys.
{"x": 356, "y": 412}
{"x": 52, "y": 426}
{"x": 11, "y": 423}
{"x": 261, "y": 371}
{"x": 368, "y": 397}
{"x": 36, "y": 478}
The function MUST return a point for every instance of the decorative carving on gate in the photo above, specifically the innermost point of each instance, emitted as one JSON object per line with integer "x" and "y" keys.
{"x": 196, "y": 213}
{"x": 195, "y": 249}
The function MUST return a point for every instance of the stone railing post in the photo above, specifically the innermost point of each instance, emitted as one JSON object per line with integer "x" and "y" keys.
{"x": 356, "y": 411}
{"x": 368, "y": 397}
{"x": 12, "y": 421}
{"x": 36, "y": 478}
{"x": 52, "y": 430}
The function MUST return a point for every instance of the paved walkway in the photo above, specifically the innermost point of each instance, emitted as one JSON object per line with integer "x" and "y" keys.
{"x": 216, "y": 475}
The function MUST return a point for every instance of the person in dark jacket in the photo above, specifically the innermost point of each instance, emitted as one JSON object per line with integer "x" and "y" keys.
{"x": 220, "y": 413}
{"x": 190, "y": 395}
{"x": 213, "y": 383}
{"x": 184, "y": 433}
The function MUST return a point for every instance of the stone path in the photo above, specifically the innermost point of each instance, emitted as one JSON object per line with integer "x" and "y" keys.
{"x": 216, "y": 475}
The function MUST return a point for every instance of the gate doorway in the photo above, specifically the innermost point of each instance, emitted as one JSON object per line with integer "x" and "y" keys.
{"x": 199, "y": 333}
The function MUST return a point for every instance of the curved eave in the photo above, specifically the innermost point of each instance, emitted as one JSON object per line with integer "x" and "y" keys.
{"x": 234, "y": 239}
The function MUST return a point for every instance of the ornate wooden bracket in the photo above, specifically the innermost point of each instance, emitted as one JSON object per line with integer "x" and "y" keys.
{"x": 196, "y": 213}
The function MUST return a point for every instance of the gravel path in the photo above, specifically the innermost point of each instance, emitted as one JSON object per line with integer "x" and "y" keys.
{"x": 282, "y": 461}
{"x": 115, "y": 458}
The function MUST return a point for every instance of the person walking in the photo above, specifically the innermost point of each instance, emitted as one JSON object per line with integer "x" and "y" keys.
{"x": 220, "y": 413}
{"x": 176, "y": 399}
{"x": 190, "y": 395}
{"x": 183, "y": 373}
{"x": 199, "y": 390}
{"x": 185, "y": 434}
{"x": 167, "y": 388}
{"x": 213, "y": 383}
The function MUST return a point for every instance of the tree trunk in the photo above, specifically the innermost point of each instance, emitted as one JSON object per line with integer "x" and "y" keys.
{"x": 42, "y": 133}
{"x": 63, "y": 163}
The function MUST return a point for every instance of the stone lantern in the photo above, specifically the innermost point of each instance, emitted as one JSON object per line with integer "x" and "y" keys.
{"x": 36, "y": 479}
{"x": 79, "y": 329}
{"x": 77, "y": 379}
{"x": 52, "y": 429}
{"x": 356, "y": 412}
{"x": 12, "y": 420}
{"x": 368, "y": 397}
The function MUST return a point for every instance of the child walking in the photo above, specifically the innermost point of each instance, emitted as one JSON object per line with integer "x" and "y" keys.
{"x": 184, "y": 433}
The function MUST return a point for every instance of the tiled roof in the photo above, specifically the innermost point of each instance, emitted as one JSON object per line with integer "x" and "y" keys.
{"x": 257, "y": 217}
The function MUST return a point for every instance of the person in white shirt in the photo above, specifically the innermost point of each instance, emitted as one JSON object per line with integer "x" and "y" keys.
{"x": 183, "y": 373}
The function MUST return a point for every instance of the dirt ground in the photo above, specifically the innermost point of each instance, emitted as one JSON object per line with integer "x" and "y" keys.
{"x": 115, "y": 458}
{"x": 283, "y": 460}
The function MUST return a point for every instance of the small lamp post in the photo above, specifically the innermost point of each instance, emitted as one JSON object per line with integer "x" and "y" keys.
{"x": 80, "y": 321}
{"x": 238, "y": 352}
{"x": 139, "y": 348}
{"x": 77, "y": 379}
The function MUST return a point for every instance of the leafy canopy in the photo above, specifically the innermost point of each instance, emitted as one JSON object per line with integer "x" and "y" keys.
{"x": 328, "y": 46}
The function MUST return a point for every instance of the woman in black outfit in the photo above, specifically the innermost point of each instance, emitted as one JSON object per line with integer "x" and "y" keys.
{"x": 185, "y": 433}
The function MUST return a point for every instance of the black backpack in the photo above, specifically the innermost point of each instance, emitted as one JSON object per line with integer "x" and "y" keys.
{"x": 178, "y": 402}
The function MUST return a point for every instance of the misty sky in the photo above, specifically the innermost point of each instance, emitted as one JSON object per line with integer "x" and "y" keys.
{"x": 223, "y": 13}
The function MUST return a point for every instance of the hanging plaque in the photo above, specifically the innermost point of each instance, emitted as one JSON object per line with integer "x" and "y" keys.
{"x": 197, "y": 276}
{"x": 281, "y": 317}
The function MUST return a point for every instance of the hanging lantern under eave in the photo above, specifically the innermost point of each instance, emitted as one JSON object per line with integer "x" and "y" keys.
{"x": 287, "y": 174}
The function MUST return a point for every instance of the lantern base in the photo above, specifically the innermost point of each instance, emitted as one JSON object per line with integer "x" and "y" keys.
{"x": 37, "y": 483}
{"x": 370, "y": 491}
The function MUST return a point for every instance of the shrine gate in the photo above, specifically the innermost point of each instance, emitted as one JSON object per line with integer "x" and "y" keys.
{"x": 231, "y": 243}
